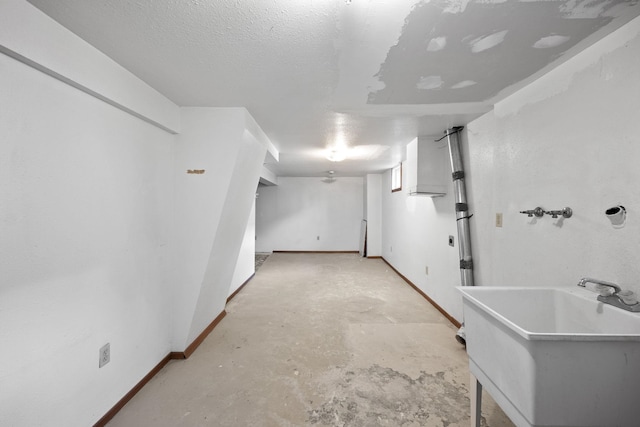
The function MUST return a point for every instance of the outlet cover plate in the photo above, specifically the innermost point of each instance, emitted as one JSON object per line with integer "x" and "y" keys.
{"x": 105, "y": 355}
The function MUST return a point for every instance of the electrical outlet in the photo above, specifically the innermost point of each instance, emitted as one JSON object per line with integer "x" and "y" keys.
{"x": 105, "y": 355}
{"x": 499, "y": 219}
{"x": 426, "y": 269}
{"x": 450, "y": 240}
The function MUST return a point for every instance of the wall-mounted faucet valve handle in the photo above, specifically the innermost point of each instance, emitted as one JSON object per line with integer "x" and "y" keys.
{"x": 566, "y": 213}
{"x": 538, "y": 212}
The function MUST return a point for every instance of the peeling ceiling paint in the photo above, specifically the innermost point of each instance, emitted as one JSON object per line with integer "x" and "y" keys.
{"x": 550, "y": 41}
{"x": 436, "y": 44}
{"x": 494, "y": 44}
{"x": 483, "y": 43}
{"x": 463, "y": 84}
{"x": 430, "y": 82}
{"x": 369, "y": 73}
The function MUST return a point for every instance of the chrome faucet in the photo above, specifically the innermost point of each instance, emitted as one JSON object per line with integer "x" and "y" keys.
{"x": 616, "y": 288}
{"x": 625, "y": 300}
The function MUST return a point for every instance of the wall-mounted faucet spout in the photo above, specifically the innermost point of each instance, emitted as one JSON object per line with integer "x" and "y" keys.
{"x": 585, "y": 280}
{"x": 625, "y": 300}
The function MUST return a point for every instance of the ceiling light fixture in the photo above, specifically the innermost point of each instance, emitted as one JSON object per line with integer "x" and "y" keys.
{"x": 336, "y": 155}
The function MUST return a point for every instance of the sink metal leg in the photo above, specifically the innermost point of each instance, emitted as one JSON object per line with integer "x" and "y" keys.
{"x": 475, "y": 391}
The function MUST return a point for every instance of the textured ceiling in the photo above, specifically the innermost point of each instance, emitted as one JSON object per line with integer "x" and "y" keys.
{"x": 370, "y": 74}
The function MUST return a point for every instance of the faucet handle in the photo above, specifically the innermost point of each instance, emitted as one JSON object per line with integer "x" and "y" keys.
{"x": 628, "y": 297}
{"x": 566, "y": 213}
{"x": 604, "y": 290}
{"x": 538, "y": 212}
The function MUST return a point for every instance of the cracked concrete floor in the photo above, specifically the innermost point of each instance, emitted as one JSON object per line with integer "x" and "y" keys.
{"x": 318, "y": 340}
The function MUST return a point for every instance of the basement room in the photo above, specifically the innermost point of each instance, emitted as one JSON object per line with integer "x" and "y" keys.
{"x": 343, "y": 213}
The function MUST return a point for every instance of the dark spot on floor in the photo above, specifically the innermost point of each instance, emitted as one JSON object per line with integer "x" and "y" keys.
{"x": 385, "y": 397}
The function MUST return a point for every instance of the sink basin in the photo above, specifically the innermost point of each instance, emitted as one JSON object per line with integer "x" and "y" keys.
{"x": 554, "y": 356}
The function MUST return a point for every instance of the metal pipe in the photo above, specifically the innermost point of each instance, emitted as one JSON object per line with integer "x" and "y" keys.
{"x": 462, "y": 208}
{"x": 462, "y": 214}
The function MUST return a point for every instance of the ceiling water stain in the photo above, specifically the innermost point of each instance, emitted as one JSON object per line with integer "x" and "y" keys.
{"x": 470, "y": 50}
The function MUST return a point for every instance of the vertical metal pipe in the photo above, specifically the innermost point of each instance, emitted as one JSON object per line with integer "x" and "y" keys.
{"x": 462, "y": 208}
{"x": 462, "y": 214}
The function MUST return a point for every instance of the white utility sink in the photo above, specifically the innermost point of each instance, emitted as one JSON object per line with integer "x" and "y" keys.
{"x": 553, "y": 356}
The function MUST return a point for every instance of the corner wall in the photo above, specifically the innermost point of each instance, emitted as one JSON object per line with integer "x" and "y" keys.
{"x": 373, "y": 214}
{"x": 568, "y": 139}
{"x": 292, "y": 215}
{"x": 415, "y": 232}
{"x": 246, "y": 264}
{"x": 212, "y": 210}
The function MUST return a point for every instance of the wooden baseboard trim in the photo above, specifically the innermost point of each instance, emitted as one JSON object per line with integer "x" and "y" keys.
{"x": 196, "y": 343}
{"x": 315, "y": 252}
{"x": 374, "y": 257}
{"x": 237, "y": 291}
{"x": 127, "y": 397}
{"x": 425, "y": 296}
{"x": 173, "y": 355}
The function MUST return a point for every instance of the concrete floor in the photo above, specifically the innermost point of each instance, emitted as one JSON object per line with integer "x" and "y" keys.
{"x": 318, "y": 340}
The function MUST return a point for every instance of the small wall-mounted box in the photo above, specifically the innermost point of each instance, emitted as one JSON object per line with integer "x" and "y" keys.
{"x": 428, "y": 167}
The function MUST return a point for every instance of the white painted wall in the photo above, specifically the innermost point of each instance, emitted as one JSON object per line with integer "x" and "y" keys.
{"x": 291, "y": 215}
{"x": 246, "y": 264}
{"x": 212, "y": 211}
{"x": 227, "y": 244}
{"x": 415, "y": 234}
{"x": 105, "y": 237}
{"x": 570, "y": 138}
{"x": 85, "y": 212}
{"x": 373, "y": 214}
